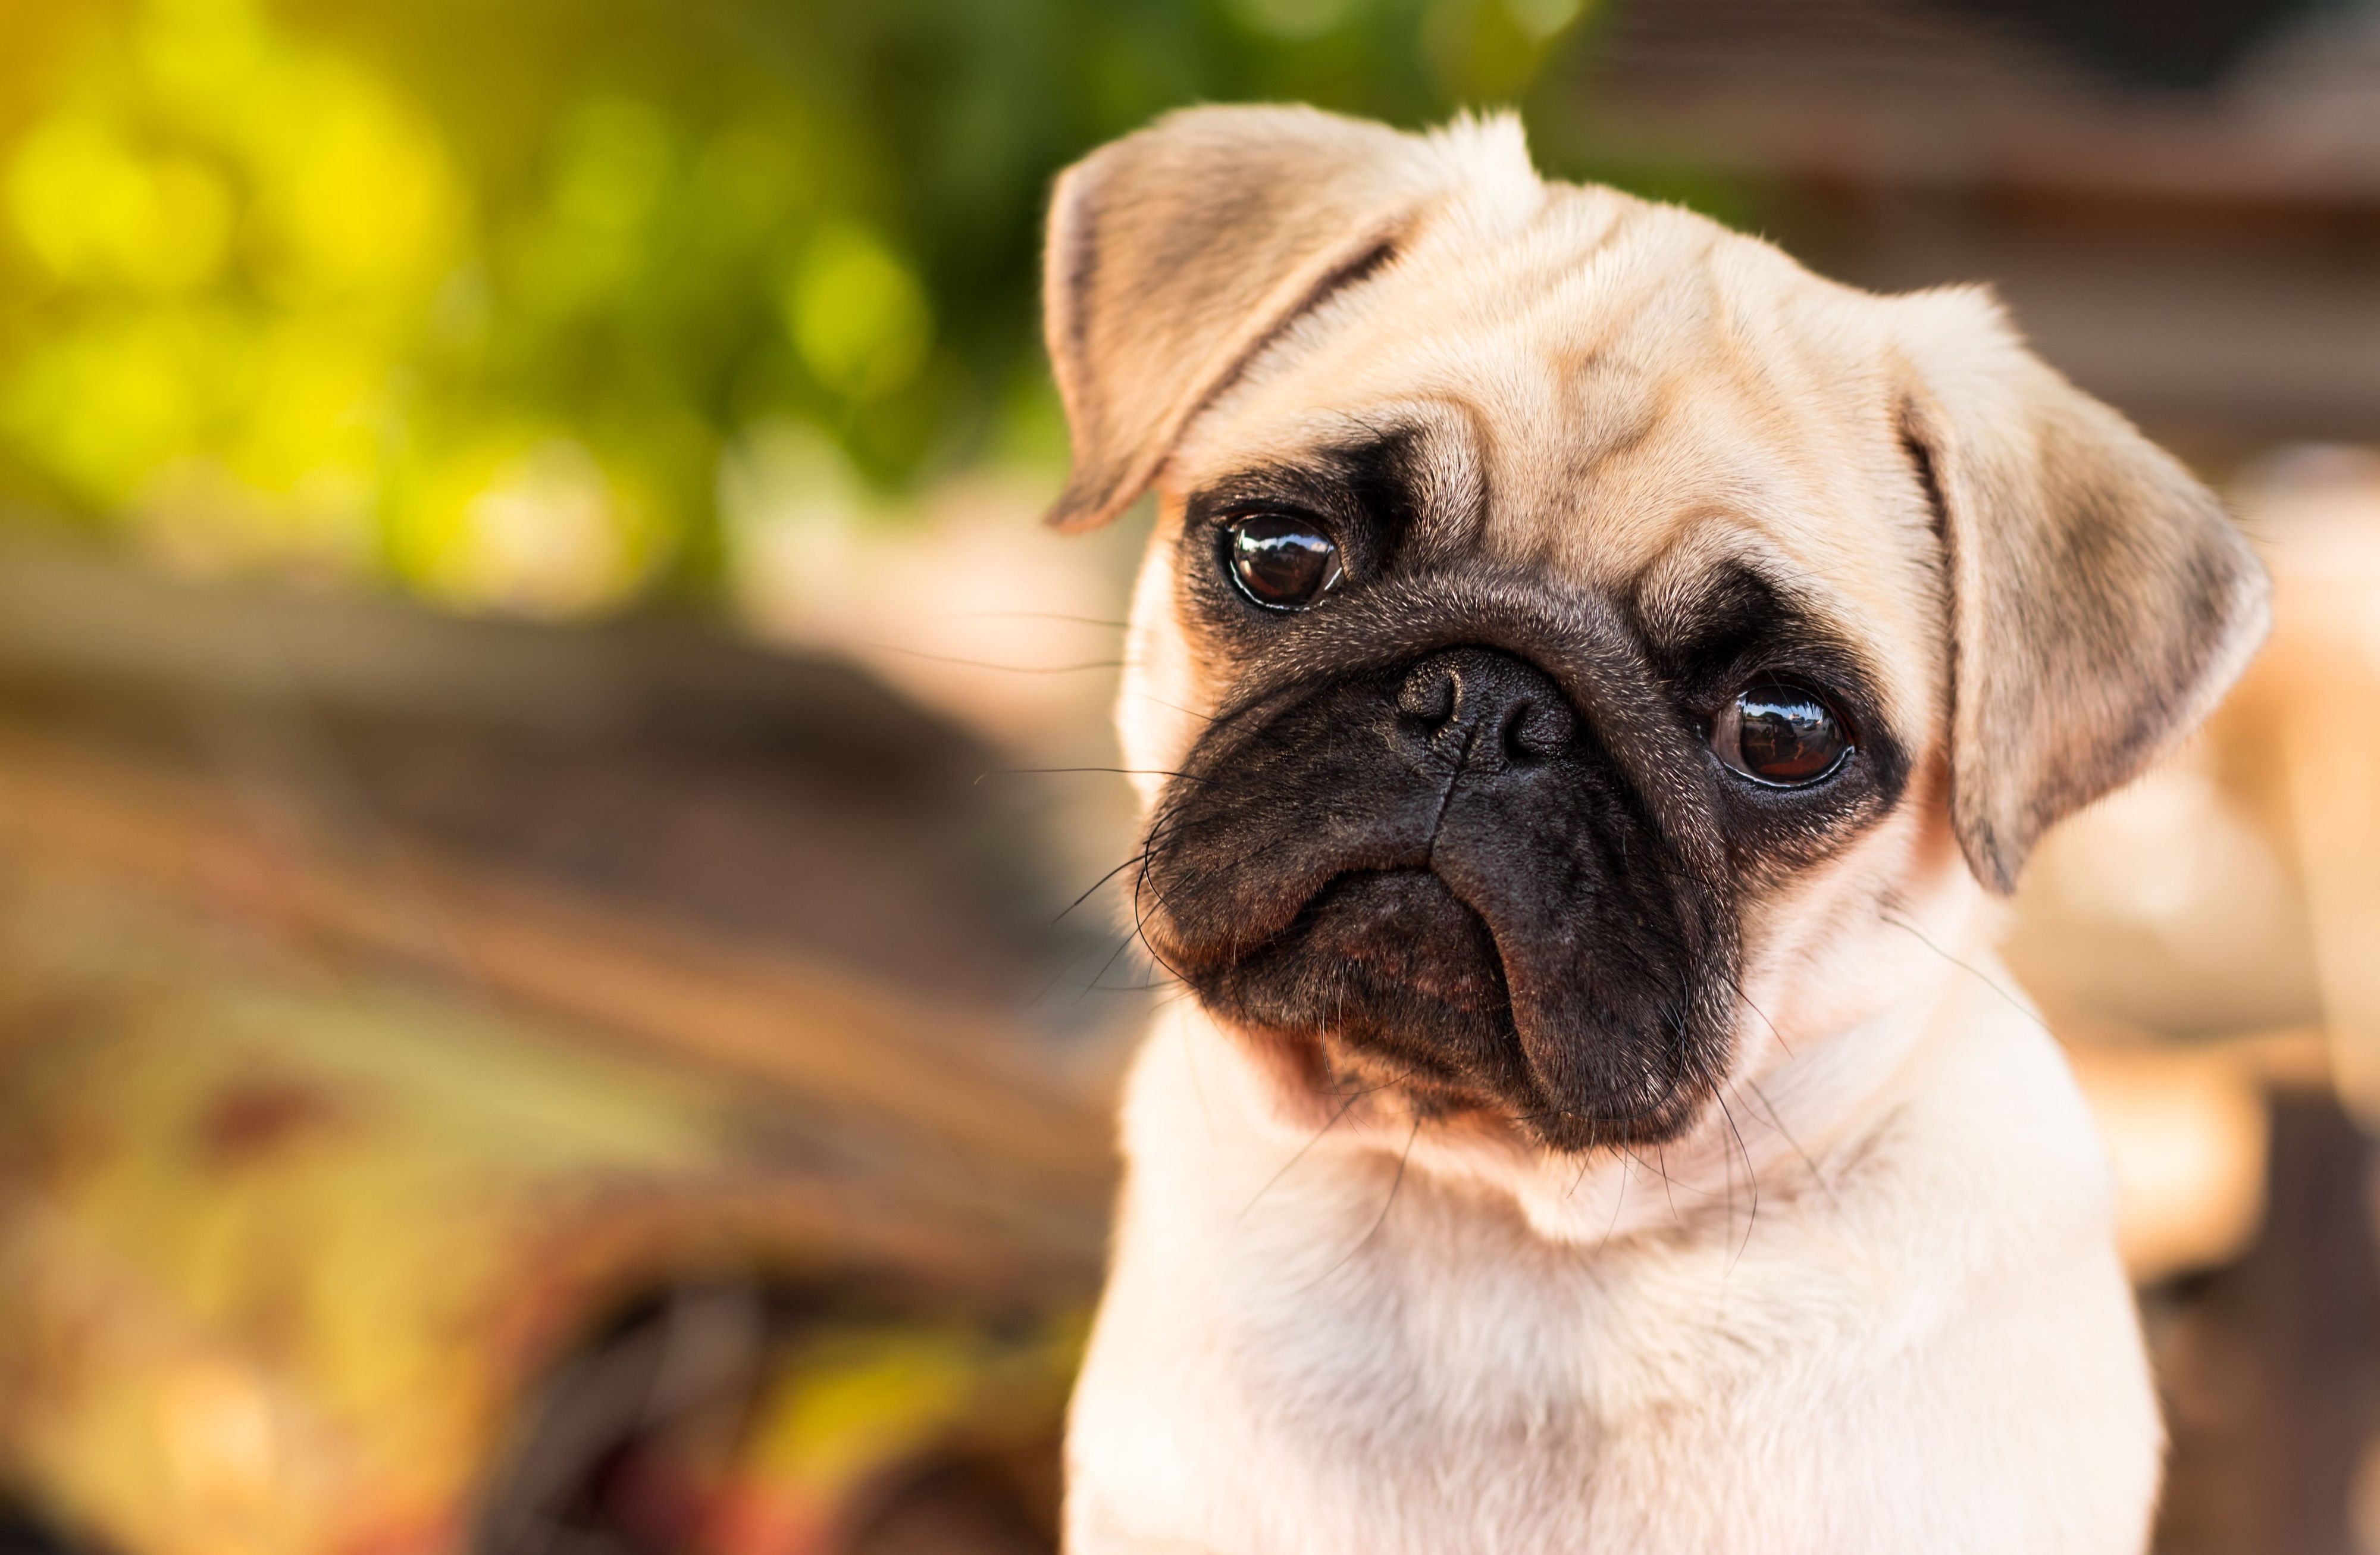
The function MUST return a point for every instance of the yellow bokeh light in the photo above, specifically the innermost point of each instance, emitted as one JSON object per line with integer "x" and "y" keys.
{"x": 857, "y": 313}
{"x": 95, "y": 210}
{"x": 616, "y": 166}
{"x": 364, "y": 201}
{"x": 105, "y": 404}
{"x": 524, "y": 521}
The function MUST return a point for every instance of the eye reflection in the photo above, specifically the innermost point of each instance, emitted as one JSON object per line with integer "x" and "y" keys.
{"x": 1779, "y": 735}
{"x": 1281, "y": 561}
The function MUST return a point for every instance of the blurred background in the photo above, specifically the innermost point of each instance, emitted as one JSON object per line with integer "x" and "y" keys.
{"x": 556, "y": 989}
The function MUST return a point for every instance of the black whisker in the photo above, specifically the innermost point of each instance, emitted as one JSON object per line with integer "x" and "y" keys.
{"x": 1033, "y": 615}
{"x": 1071, "y": 961}
{"x": 1777, "y": 1121}
{"x": 1351, "y": 1098}
{"x": 1121, "y": 771}
{"x": 1618, "y": 1199}
{"x": 1006, "y": 669}
{"x": 1140, "y": 857}
{"x": 1186, "y": 712}
{"x": 1379, "y": 1221}
{"x": 2013, "y": 1002}
{"x": 1752, "y": 1180}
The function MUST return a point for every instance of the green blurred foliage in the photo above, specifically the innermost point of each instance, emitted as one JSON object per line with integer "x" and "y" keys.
{"x": 476, "y": 294}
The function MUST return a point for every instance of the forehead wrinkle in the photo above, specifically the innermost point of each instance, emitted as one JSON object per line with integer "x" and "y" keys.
{"x": 1745, "y": 401}
{"x": 1677, "y": 575}
{"x": 1680, "y": 453}
{"x": 1439, "y": 277}
{"x": 1830, "y": 572}
{"x": 1582, "y": 269}
{"x": 1514, "y": 277}
{"x": 1667, "y": 595}
{"x": 1456, "y": 488}
{"x": 1607, "y": 335}
{"x": 1611, "y": 372}
{"x": 1442, "y": 474}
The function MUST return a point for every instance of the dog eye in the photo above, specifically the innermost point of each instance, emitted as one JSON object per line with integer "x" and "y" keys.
{"x": 1780, "y": 736}
{"x": 1279, "y": 560}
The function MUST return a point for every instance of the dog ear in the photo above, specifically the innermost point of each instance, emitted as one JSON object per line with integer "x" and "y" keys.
{"x": 2101, "y": 599}
{"x": 1177, "y": 253}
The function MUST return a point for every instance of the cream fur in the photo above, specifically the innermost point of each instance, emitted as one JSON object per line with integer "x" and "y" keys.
{"x": 1934, "y": 1350}
{"x": 1870, "y": 1301}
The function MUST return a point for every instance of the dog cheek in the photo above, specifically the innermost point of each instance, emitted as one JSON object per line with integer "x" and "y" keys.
{"x": 1161, "y": 702}
{"x": 1841, "y": 945}
{"x": 1813, "y": 962}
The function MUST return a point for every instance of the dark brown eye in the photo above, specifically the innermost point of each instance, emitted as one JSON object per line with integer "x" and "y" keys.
{"x": 1779, "y": 735}
{"x": 1279, "y": 560}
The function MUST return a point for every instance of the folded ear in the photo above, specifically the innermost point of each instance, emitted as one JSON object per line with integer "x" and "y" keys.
{"x": 1175, "y": 254}
{"x": 2101, "y": 599}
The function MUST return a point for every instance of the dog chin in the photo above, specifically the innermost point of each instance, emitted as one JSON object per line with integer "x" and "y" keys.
{"x": 1386, "y": 1000}
{"x": 1312, "y": 1097}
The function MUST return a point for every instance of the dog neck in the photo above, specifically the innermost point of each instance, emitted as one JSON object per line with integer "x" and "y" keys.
{"x": 1805, "y": 1098}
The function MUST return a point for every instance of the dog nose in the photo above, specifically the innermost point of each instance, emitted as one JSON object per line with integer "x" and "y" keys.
{"x": 1485, "y": 705}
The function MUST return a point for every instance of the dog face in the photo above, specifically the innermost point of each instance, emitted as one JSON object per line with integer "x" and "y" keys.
{"x": 1572, "y": 633}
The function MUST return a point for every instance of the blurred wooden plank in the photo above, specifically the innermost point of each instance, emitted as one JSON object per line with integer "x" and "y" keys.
{"x": 949, "y": 1078}
{"x": 2271, "y": 1367}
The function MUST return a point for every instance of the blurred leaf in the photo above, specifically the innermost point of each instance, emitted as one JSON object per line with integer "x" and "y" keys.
{"x": 857, "y": 313}
{"x": 473, "y": 293}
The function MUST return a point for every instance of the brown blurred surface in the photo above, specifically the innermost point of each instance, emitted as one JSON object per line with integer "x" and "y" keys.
{"x": 370, "y": 1043}
{"x": 2205, "y": 255}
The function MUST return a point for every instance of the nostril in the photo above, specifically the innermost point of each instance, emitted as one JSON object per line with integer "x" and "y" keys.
{"x": 1430, "y": 695}
{"x": 1535, "y": 729}
{"x": 1481, "y": 705}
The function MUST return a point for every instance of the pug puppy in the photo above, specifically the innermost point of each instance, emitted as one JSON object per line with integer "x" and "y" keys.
{"x": 1589, "y": 681}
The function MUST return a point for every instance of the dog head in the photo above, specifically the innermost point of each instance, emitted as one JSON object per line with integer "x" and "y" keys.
{"x": 1572, "y": 632}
